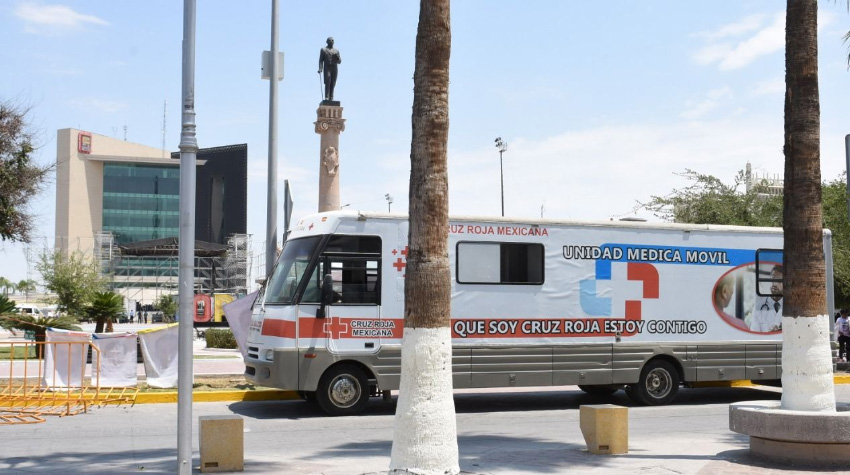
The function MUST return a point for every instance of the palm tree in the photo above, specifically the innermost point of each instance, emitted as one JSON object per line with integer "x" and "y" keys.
{"x": 806, "y": 355}
{"x": 105, "y": 307}
{"x": 6, "y": 284}
{"x": 10, "y": 319}
{"x": 425, "y": 434}
{"x": 26, "y": 286}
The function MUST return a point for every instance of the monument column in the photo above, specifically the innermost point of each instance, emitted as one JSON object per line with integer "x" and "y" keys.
{"x": 329, "y": 124}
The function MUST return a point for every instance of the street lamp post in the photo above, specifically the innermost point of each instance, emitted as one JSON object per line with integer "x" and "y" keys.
{"x": 503, "y": 147}
{"x": 389, "y": 202}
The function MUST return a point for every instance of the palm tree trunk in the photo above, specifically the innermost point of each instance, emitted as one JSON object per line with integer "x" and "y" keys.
{"x": 806, "y": 357}
{"x": 425, "y": 434}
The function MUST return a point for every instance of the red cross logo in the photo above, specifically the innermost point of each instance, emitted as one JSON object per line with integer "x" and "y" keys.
{"x": 335, "y": 328}
{"x": 399, "y": 264}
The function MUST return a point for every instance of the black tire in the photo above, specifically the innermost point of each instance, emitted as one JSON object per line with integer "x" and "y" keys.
{"x": 658, "y": 385}
{"x": 343, "y": 391}
{"x": 599, "y": 390}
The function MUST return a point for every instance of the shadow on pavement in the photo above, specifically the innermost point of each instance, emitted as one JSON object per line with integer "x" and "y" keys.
{"x": 467, "y": 403}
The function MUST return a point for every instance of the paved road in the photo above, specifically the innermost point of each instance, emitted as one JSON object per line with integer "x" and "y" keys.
{"x": 499, "y": 432}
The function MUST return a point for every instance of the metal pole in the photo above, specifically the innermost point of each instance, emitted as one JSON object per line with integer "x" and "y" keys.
{"x": 186, "y": 247}
{"x": 847, "y": 169}
{"x": 502, "y": 180}
{"x": 271, "y": 206}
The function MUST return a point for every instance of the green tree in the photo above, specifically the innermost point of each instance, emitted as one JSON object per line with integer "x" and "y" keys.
{"x": 425, "y": 434}
{"x": 20, "y": 178}
{"x": 167, "y": 304}
{"x": 74, "y": 278}
{"x": 708, "y": 200}
{"x": 104, "y": 308}
{"x": 6, "y": 284}
{"x": 26, "y": 286}
{"x": 10, "y": 319}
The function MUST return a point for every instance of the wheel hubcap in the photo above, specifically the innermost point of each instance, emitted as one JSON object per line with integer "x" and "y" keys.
{"x": 344, "y": 391}
{"x": 658, "y": 383}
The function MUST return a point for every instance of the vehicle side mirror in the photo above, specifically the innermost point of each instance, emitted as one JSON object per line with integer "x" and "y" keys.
{"x": 327, "y": 295}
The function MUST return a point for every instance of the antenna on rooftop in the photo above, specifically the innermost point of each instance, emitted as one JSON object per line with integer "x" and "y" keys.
{"x": 164, "y": 116}
{"x": 125, "y": 133}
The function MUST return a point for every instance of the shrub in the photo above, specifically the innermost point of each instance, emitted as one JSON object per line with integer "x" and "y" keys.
{"x": 218, "y": 338}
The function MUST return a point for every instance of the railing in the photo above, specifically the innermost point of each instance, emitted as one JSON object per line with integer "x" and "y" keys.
{"x": 49, "y": 378}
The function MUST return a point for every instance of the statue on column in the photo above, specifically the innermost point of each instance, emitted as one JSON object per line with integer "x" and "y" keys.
{"x": 329, "y": 58}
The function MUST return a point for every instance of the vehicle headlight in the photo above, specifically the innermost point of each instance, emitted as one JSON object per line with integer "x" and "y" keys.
{"x": 270, "y": 354}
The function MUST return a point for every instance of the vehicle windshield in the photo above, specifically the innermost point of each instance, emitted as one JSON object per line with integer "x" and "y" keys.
{"x": 291, "y": 267}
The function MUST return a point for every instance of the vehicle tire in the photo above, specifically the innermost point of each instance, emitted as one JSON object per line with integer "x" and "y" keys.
{"x": 658, "y": 384}
{"x": 599, "y": 390}
{"x": 343, "y": 391}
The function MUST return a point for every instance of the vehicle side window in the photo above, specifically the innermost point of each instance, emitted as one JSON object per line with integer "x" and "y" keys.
{"x": 353, "y": 263}
{"x": 769, "y": 272}
{"x": 500, "y": 263}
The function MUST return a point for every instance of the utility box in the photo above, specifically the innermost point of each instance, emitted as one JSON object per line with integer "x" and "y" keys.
{"x": 221, "y": 441}
{"x": 605, "y": 428}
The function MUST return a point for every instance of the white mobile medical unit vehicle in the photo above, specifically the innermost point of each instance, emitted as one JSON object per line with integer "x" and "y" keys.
{"x": 602, "y": 305}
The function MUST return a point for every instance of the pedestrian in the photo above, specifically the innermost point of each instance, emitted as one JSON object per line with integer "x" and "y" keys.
{"x": 843, "y": 325}
{"x": 146, "y": 317}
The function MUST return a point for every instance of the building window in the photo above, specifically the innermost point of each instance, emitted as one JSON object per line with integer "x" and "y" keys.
{"x": 499, "y": 263}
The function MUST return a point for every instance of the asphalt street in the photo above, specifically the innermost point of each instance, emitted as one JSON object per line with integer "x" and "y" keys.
{"x": 529, "y": 431}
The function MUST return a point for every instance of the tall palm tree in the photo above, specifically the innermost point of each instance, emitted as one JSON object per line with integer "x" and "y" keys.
{"x": 6, "y": 284}
{"x": 806, "y": 356}
{"x": 425, "y": 434}
{"x": 26, "y": 286}
{"x": 105, "y": 307}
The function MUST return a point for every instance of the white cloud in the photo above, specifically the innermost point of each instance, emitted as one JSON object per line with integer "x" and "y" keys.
{"x": 699, "y": 109}
{"x": 765, "y": 40}
{"x": 745, "y": 25}
{"x": 601, "y": 172}
{"x": 102, "y": 105}
{"x": 40, "y": 18}
{"x": 770, "y": 86}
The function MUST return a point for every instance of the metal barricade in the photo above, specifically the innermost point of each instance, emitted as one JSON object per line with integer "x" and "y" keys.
{"x": 49, "y": 378}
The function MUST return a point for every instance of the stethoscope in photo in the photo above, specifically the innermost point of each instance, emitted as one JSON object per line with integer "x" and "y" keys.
{"x": 766, "y": 305}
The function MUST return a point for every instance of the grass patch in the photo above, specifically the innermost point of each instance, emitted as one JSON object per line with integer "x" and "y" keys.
{"x": 17, "y": 351}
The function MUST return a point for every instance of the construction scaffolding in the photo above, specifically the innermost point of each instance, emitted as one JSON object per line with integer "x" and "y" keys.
{"x": 144, "y": 271}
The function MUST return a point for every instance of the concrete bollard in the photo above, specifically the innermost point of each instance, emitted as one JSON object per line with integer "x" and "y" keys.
{"x": 221, "y": 441}
{"x": 605, "y": 428}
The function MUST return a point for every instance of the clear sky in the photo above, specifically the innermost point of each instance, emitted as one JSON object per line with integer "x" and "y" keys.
{"x": 601, "y": 103}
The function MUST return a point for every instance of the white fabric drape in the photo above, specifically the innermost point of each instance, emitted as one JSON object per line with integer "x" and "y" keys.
{"x": 159, "y": 349}
{"x": 117, "y": 368}
{"x": 238, "y": 315}
{"x": 64, "y": 358}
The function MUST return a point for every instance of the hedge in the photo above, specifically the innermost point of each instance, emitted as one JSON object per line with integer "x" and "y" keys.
{"x": 218, "y": 338}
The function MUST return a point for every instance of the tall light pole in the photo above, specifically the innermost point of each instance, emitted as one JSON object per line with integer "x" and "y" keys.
{"x": 271, "y": 204}
{"x": 389, "y": 202}
{"x": 503, "y": 147}
{"x": 186, "y": 245}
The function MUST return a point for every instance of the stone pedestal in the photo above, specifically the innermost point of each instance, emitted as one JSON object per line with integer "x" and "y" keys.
{"x": 329, "y": 124}
{"x": 221, "y": 443}
{"x": 795, "y": 437}
{"x": 605, "y": 428}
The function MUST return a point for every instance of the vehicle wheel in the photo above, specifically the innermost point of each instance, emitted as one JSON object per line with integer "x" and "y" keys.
{"x": 343, "y": 391}
{"x": 658, "y": 385}
{"x": 599, "y": 390}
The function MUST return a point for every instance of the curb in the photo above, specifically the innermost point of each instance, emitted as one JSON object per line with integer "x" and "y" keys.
{"x": 218, "y": 396}
{"x": 280, "y": 395}
{"x": 743, "y": 383}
